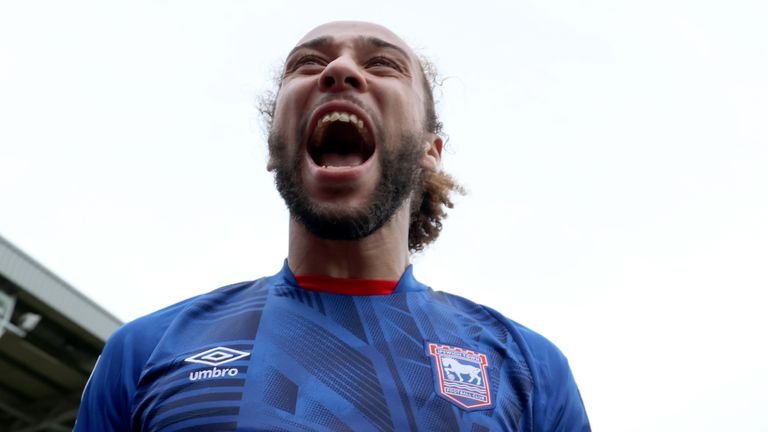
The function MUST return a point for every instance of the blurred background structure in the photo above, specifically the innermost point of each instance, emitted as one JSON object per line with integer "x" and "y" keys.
{"x": 50, "y": 338}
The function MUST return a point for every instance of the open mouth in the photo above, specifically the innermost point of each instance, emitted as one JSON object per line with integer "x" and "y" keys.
{"x": 340, "y": 140}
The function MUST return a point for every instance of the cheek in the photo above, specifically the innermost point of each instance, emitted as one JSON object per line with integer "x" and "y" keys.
{"x": 290, "y": 104}
{"x": 419, "y": 107}
{"x": 401, "y": 108}
{"x": 414, "y": 108}
{"x": 283, "y": 109}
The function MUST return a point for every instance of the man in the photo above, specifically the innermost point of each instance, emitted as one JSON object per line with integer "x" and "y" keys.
{"x": 343, "y": 337}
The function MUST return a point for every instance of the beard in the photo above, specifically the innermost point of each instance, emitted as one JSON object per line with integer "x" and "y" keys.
{"x": 400, "y": 176}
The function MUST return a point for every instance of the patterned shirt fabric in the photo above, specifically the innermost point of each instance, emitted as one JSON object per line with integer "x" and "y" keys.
{"x": 269, "y": 355}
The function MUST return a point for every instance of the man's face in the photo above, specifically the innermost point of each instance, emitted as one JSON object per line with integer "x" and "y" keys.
{"x": 348, "y": 137}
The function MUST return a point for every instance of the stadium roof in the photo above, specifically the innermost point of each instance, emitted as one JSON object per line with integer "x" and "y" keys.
{"x": 50, "y": 338}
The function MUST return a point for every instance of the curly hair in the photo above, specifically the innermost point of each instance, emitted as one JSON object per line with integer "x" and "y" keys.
{"x": 432, "y": 196}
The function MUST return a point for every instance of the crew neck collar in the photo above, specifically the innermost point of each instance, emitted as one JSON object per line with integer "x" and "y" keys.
{"x": 406, "y": 283}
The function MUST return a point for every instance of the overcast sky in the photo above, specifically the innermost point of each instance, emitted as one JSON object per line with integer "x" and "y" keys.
{"x": 615, "y": 155}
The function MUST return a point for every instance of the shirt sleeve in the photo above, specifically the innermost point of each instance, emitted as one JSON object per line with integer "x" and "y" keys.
{"x": 557, "y": 403}
{"x": 106, "y": 401}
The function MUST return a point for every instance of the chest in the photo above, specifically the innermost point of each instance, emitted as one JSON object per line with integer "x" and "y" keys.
{"x": 352, "y": 367}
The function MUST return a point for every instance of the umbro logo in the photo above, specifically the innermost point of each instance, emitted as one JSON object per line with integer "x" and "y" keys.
{"x": 215, "y": 357}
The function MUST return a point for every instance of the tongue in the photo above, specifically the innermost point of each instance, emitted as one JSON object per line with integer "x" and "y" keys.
{"x": 340, "y": 160}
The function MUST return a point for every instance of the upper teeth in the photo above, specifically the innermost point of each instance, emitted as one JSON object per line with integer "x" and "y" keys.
{"x": 342, "y": 117}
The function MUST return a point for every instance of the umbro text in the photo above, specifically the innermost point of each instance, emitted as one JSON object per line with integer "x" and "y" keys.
{"x": 212, "y": 373}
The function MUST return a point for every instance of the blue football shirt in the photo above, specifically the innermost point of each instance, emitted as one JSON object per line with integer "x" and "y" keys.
{"x": 269, "y": 355}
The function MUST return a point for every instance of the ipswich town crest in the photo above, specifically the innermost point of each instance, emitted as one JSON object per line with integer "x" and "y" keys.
{"x": 460, "y": 376}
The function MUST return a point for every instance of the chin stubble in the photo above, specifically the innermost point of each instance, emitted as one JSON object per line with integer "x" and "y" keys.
{"x": 400, "y": 173}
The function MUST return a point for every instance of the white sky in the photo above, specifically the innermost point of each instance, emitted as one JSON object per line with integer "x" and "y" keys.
{"x": 615, "y": 153}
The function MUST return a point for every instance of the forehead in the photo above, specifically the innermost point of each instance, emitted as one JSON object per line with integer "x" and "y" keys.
{"x": 343, "y": 32}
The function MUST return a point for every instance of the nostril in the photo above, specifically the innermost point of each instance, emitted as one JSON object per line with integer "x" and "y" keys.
{"x": 352, "y": 82}
{"x": 328, "y": 81}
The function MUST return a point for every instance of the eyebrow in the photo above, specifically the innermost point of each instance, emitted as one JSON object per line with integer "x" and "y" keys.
{"x": 324, "y": 41}
{"x": 315, "y": 43}
{"x": 381, "y": 43}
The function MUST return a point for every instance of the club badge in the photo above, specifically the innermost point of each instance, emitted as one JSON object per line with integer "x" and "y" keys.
{"x": 461, "y": 376}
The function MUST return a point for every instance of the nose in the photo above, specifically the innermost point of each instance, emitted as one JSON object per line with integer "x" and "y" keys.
{"x": 342, "y": 74}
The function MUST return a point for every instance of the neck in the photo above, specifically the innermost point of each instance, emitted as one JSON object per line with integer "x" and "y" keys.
{"x": 382, "y": 255}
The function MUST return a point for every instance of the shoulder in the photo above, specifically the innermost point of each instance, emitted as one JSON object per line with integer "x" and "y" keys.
{"x": 555, "y": 401}
{"x": 133, "y": 343}
{"x": 533, "y": 345}
{"x": 139, "y": 337}
{"x": 544, "y": 354}
{"x": 538, "y": 350}
{"x": 109, "y": 395}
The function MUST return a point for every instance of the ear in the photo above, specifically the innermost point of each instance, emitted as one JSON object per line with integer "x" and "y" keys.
{"x": 433, "y": 150}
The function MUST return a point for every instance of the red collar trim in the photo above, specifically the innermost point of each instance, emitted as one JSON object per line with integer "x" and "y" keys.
{"x": 364, "y": 287}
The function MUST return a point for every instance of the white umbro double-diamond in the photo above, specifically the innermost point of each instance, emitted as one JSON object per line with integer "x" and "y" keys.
{"x": 217, "y": 356}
